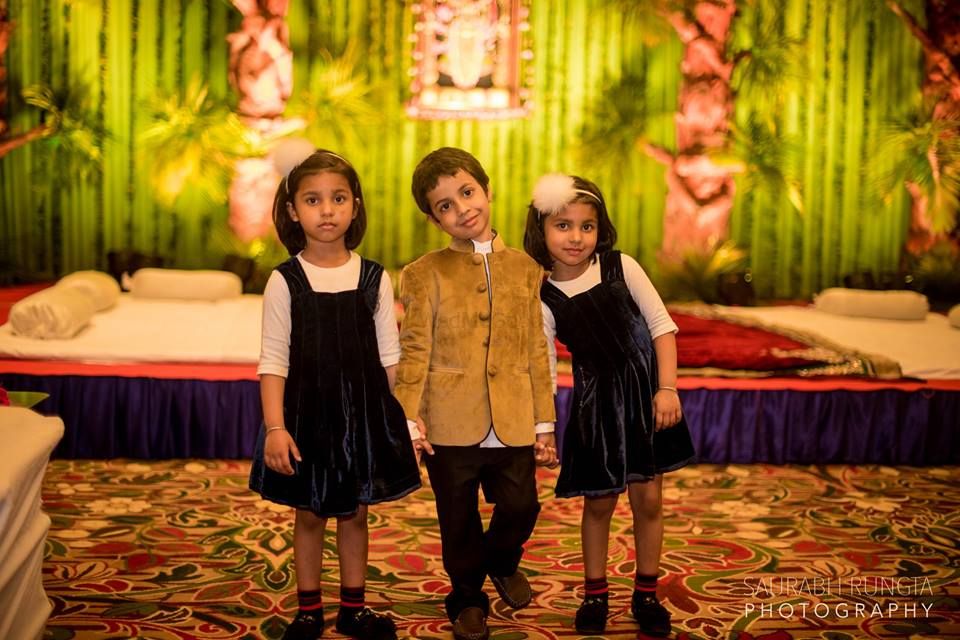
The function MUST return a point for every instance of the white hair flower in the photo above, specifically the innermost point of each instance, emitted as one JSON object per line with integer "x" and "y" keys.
{"x": 553, "y": 192}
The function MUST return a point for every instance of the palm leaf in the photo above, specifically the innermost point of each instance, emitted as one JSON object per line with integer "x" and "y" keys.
{"x": 192, "y": 143}
{"x": 696, "y": 274}
{"x": 767, "y": 63}
{"x": 619, "y": 124}
{"x": 648, "y": 17}
{"x": 337, "y": 106}
{"x": 927, "y": 153}
{"x": 74, "y": 136}
{"x": 760, "y": 155}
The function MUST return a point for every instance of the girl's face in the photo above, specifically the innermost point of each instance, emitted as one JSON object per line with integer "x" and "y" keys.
{"x": 571, "y": 238}
{"x": 324, "y": 205}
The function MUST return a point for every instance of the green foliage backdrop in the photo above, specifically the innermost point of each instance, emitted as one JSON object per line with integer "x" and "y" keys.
{"x": 859, "y": 69}
{"x": 863, "y": 66}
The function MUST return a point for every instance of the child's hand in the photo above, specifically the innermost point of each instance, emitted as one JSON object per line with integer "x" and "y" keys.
{"x": 545, "y": 450}
{"x": 421, "y": 444}
{"x": 277, "y": 450}
{"x": 666, "y": 409}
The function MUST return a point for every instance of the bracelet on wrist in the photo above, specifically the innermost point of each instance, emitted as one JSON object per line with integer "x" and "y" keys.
{"x": 273, "y": 429}
{"x": 665, "y": 387}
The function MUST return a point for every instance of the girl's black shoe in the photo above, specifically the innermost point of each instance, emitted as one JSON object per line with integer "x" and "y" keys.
{"x": 653, "y": 617}
{"x": 591, "y": 617}
{"x": 306, "y": 626}
{"x": 365, "y": 624}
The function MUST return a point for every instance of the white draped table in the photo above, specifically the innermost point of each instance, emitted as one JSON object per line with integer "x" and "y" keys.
{"x": 27, "y": 440}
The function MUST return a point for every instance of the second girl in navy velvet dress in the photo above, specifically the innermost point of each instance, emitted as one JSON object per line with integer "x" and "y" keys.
{"x": 626, "y": 427}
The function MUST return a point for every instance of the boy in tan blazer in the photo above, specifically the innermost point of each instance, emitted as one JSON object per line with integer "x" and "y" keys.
{"x": 474, "y": 367}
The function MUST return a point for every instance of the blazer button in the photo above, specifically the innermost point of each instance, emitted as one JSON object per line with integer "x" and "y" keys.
{"x": 482, "y": 287}
{"x": 492, "y": 371}
{"x": 484, "y": 315}
{"x": 486, "y": 342}
{"x": 477, "y": 258}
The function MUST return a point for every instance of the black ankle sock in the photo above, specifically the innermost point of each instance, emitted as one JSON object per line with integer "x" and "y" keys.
{"x": 310, "y": 601}
{"x": 595, "y": 587}
{"x": 351, "y": 599}
{"x": 645, "y": 585}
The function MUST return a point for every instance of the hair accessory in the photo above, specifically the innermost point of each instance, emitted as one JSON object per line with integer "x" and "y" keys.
{"x": 554, "y": 191}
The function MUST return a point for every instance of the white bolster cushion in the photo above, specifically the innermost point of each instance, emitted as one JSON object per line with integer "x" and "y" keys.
{"x": 178, "y": 284}
{"x": 863, "y": 303}
{"x": 103, "y": 290}
{"x": 54, "y": 313}
{"x": 954, "y": 316}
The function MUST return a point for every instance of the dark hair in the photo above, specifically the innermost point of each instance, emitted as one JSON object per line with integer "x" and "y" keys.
{"x": 445, "y": 161}
{"x": 534, "y": 242}
{"x": 320, "y": 161}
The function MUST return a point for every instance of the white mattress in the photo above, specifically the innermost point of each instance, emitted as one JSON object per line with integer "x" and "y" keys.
{"x": 138, "y": 330}
{"x": 928, "y": 349}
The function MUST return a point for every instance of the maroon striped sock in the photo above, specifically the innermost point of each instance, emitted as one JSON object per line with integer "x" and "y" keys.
{"x": 646, "y": 585}
{"x": 595, "y": 586}
{"x": 309, "y": 601}
{"x": 352, "y": 597}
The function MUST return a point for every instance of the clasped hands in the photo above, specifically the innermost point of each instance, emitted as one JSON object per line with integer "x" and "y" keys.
{"x": 544, "y": 449}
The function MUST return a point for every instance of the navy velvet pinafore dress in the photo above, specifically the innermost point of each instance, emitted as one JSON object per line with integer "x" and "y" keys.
{"x": 610, "y": 439}
{"x": 351, "y": 432}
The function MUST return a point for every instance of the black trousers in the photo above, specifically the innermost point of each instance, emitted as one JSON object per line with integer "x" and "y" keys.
{"x": 507, "y": 476}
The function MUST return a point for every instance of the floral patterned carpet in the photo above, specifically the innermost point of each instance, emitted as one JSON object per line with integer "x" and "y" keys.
{"x": 181, "y": 549}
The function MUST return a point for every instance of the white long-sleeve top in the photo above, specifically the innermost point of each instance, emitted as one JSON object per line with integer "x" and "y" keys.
{"x": 275, "y": 341}
{"x": 641, "y": 289}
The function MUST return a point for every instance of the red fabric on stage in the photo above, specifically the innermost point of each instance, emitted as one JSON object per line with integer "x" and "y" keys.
{"x": 704, "y": 342}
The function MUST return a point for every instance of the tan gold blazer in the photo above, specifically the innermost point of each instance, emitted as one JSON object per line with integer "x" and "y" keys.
{"x": 467, "y": 364}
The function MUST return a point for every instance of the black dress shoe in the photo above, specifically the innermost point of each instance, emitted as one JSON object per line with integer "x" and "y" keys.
{"x": 591, "y": 617}
{"x": 515, "y": 590}
{"x": 471, "y": 624}
{"x": 653, "y": 617}
{"x": 306, "y": 626}
{"x": 365, "y": 624}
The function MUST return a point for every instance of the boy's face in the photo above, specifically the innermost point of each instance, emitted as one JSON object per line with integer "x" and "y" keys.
{"x": 460, "y": 206}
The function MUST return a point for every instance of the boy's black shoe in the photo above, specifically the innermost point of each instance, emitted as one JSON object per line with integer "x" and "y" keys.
{"x": 653, "y": 618}
{"x": 365, "y": 624}
{"x": 306, "y": 626}
{"x": 471, "y": 624}
{"x": 591, "y": 617}
{"x": 515, "y": 590}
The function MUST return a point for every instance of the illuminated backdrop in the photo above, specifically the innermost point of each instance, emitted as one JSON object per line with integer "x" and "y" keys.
{"x": 862, "y": 66}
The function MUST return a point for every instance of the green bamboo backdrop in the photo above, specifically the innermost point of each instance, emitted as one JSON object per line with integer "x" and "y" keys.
{"x": 859, "y": 69}
{"x": 863, "y": 66}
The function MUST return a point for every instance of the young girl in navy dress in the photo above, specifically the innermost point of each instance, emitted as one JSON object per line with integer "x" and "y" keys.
{"x": 335, "y": 440}
{"x": 626, "y": 426}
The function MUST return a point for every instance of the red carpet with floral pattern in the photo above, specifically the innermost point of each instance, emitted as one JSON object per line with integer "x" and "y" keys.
{"x": 181, "y": 549}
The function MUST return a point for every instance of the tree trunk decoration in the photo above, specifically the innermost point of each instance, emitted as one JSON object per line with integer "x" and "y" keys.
{"x": 941, "y": 84}
{"x": 261, "y": 71}
{"x": 700, "y": 191}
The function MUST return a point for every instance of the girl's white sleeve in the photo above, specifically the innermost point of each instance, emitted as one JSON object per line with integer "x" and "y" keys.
{"x": 388, "y": 334}
{"x": 645, "y": 295}
{"x": 550, "y": 332}
{"x": 275, "y": 337}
